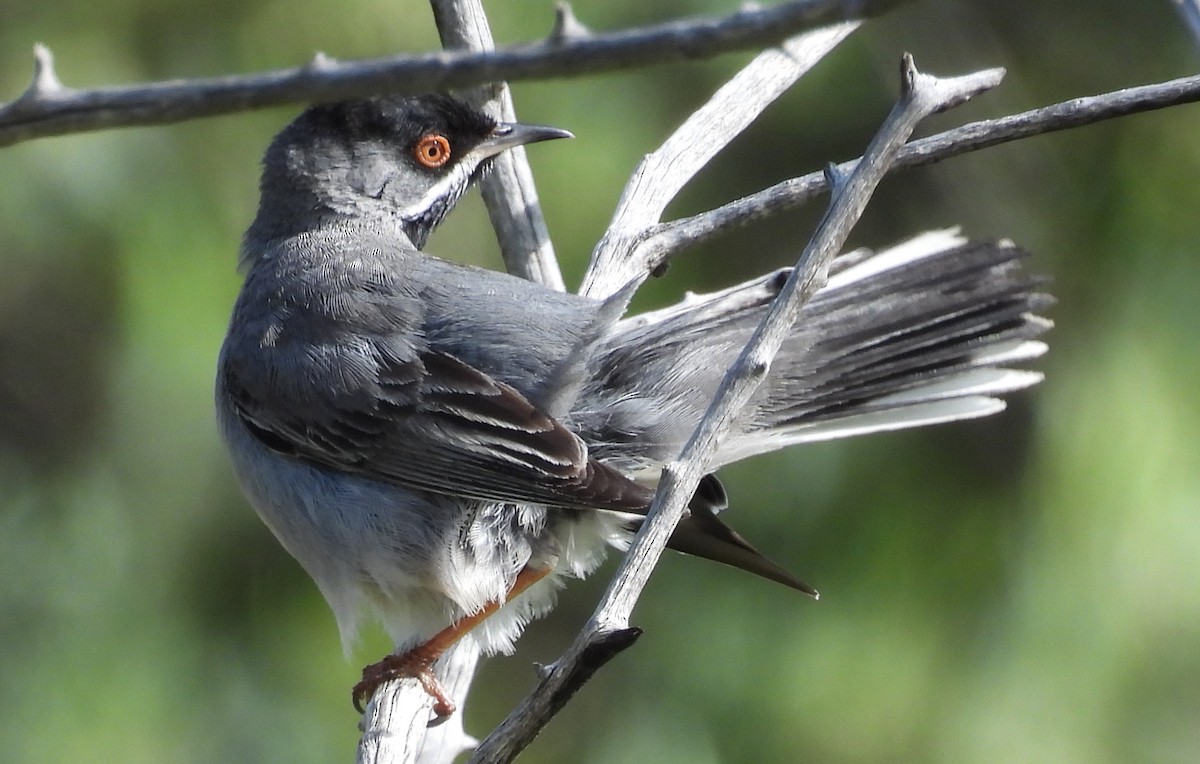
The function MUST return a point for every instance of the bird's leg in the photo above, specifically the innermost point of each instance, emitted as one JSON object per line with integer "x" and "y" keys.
{"x": 418, "y": 662}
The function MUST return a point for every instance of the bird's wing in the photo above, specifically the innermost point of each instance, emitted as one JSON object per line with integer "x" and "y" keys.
{"x": 422, "y": 419}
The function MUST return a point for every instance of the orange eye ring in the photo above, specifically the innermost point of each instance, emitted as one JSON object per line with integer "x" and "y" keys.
{"x": 432, "y": 151}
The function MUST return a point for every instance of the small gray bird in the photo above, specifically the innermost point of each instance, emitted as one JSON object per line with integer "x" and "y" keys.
{"x": 437, "y": 443}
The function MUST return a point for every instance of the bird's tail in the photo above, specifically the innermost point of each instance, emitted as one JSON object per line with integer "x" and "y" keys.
{"x": 928, "y": 331}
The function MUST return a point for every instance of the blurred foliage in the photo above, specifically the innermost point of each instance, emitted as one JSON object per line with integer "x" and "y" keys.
{"x": 1025, "y": 588}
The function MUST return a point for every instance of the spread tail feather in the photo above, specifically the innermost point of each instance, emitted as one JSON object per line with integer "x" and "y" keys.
{"x": 924, "y": 332}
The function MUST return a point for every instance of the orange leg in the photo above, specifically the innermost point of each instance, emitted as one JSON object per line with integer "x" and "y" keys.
{"x": 418, "y": 662}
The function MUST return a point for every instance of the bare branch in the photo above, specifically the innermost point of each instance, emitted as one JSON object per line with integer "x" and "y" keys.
{"x": 395, "y": 727}
{"x": 41, "y": 113}
{"x": 508, "y": 190}
{"x": 656, "y": 247}
{"x": 663, "y": 173}
{"x": 921, "y": 95}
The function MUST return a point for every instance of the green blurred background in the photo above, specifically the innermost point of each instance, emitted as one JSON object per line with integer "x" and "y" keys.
{"x": 1025, "y": 588}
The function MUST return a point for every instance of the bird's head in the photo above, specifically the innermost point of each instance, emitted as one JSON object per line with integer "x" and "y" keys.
{"x": 401, "y": 161}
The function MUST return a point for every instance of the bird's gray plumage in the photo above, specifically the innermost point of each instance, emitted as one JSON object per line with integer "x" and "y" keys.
{"x": 417, "y": 431}
{"x": 407, "y": 391}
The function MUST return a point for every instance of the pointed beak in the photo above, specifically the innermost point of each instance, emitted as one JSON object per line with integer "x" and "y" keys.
{"x": 506, "y": 135}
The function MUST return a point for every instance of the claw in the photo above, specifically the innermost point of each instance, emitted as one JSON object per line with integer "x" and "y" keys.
{"x": 415, "y": 664}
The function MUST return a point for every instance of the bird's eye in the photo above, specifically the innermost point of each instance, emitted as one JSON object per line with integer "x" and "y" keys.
{"x": 432, "y": 151}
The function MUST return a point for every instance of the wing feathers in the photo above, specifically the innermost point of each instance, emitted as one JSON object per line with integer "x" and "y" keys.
{"x": 435, "y": 423}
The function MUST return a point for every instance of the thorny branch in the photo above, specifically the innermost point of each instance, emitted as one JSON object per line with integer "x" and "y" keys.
{"x": 658, "y": 244}
{"x": 49, "y": 108}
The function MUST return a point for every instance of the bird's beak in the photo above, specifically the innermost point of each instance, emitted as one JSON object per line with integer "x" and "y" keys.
{"x": 506, "y": 135}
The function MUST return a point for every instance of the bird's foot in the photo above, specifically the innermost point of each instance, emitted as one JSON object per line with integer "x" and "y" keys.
{"x": 417, "y": 664}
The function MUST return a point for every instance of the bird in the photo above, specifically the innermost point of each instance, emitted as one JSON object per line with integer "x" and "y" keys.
{"x": 439, "y": 444}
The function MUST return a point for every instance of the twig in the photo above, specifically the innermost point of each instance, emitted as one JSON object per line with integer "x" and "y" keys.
{"x": 658, "y": 245}
{"x": 43, "y": 111}
{"x": 921, "y": 95}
